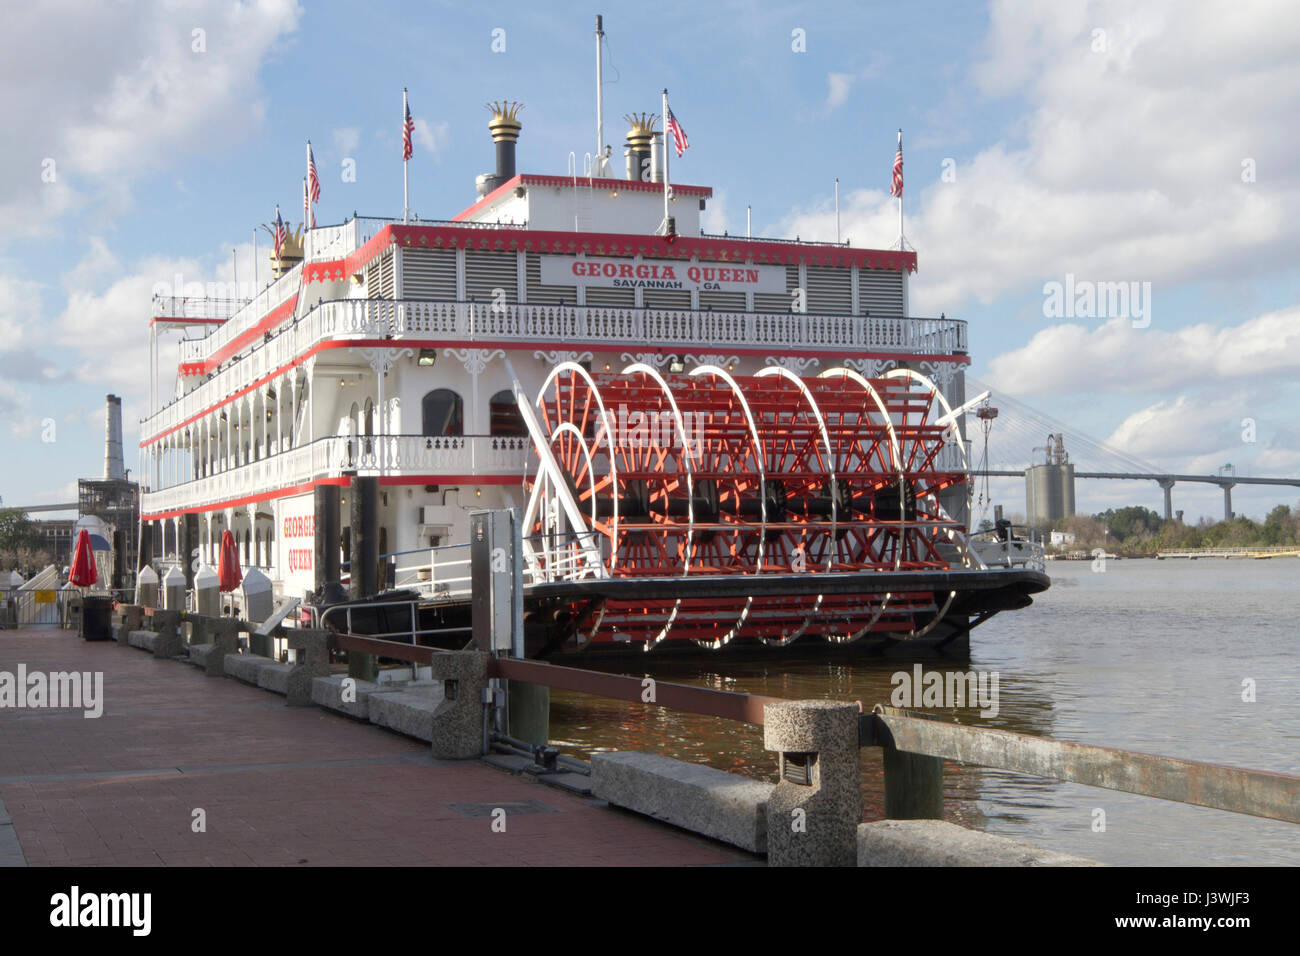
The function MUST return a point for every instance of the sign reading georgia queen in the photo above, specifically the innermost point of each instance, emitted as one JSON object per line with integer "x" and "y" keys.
{"x": 662, "y": 274}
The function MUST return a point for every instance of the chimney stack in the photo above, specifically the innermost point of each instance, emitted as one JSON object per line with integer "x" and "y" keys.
{"x": 114, "y": 470}
{"x": 640, "y": 136}
{"x": 505, "y": 127}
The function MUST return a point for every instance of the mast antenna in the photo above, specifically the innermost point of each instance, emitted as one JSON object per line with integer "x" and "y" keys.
{"x": 600, "y": 101}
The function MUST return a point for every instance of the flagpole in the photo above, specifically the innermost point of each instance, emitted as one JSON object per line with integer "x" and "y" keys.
{"x": 901, "y": 245}
{"x": 406, "y": 179}
{"x": 666, "y": 176}
{"x": 837, "y": 209}
{"x": 305, "y": 206}
{"x": 254, "y": 295}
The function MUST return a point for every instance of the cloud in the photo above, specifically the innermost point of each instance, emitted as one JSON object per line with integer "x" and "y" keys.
{"x": 1128, "y": 164}
{"x": 1117, "y": 357}
{"x": 433, "y": 137}
{"x": 20, "y": 311}
{"x": 346, "y": 139}
{"x": 838, "y": 87}
{"x": 130, "y": 91}
{"x": 714, "y": 218}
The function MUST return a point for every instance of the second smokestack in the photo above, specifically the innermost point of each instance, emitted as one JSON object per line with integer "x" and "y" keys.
{"x": 114, "y": 469}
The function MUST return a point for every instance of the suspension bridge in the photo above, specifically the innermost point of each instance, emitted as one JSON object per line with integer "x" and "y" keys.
{"x": 1020, "y": 429}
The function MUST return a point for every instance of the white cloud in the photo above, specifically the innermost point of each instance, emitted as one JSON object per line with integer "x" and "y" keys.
{"x": 122, "y": 90}
{"x": 433, "y": 137}
{"x": 20, "y": 310}
{"x": 714, "y": 218}
{"x": 1128, "y": 164}
{"x": 838, "y": 87}
{"x": 346, "y": 139}
{"x": 1117, "y": 357}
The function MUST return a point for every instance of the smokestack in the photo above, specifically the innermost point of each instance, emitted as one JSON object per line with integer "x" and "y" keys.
{"x": 114, "y": 470}
{"x": 640, "y": 135}
{"x": 505, "y": 127}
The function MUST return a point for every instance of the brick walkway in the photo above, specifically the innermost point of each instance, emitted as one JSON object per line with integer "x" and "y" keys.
{"x": 278, "y": 785}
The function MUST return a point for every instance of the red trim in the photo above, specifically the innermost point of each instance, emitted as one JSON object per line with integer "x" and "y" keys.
{"x": 292, "y": 490}
{"x": 653, "y": 247}
{"x": 449, "y": 479}
{"x": 627, "y": 185}
{"x": 524, "y": 347}
{"x": 334, "y": 270}
{"x": 247, "y": 499}
{"x": 270, "y": 321}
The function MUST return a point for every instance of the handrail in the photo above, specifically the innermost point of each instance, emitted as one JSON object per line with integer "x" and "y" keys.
{"x": 1260, "y": 793}
{"x": 690, "y": 330}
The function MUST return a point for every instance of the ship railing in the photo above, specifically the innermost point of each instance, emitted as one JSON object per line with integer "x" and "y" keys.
{"x": 438, "y": 573}
{"x": 244, "y": 318}
{"x": 331, "y": 455}
{"x": 689, "y": 328}
{"x": 196, "y": 306}
{"x": 634, "y": 328}
{"x": 794, "y": 242}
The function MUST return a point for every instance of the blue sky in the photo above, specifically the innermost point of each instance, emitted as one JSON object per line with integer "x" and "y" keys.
{"x": 1111, "y": 156}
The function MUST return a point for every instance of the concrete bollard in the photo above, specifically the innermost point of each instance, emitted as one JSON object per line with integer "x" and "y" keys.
{"x": 166, "y": 624}
{"x": 258, "y": 600}
{"x": 458, "y": 722}
{"x": 146, "y": 587}
{"x": 132, "y": 620}
{"x": 814, "y": 810}
{"x": 207, "y": 592}
{"x": 173, "y": 590}
{"x": 313, "y": 661}
{"x": 223, "y": 634}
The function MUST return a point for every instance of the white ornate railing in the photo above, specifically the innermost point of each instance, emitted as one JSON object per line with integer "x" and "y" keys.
{"x": 270, "y": 298}
{"x": 196, "y": 307}
{"x": 573, "y": 326}
{"x": 334, "y": 454}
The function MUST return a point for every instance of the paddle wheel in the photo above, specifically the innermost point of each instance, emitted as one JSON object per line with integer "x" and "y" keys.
{"x": 638, "y": 474}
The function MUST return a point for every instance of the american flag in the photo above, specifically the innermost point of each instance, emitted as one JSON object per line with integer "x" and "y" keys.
{"x": 896, "y": 189}
{"x": 408, "y": 127}
{"x": 308, "y": 217}
{"x": 679, "y": 134}
{"x": 313, "y": 181}
{"x": 281, "y": 233}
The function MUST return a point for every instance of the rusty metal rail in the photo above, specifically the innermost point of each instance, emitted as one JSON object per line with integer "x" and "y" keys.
{"x": 413, "y": 653}
{"x": 747, "y": 708}
{"x": 915, "y": 745}
{"x": 1259, "y": 793}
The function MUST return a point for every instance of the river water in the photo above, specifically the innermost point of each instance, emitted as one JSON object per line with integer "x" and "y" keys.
{"x": 1145, "y": 655}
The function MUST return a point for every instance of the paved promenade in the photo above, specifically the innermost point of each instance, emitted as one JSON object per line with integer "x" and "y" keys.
{"x": 278, "y": 786}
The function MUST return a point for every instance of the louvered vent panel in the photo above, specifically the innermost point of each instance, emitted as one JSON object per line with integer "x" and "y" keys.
{"x": 829, "y": 290}
{"x": 724, "y": 301}
{"x": 429, "y": 274}
{"x": 880, "y": 292}
{"x": 486, "y": 270}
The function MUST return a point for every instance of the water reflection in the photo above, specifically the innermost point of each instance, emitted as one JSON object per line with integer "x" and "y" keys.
{"x": 1147, "y": 656}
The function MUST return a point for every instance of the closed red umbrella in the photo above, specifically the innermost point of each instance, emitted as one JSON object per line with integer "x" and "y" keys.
{"x": 228, "y": 573}
{"x": 83, "y": 573}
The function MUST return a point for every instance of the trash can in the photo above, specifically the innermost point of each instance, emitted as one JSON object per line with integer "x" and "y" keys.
{"x": 97, "y": 618}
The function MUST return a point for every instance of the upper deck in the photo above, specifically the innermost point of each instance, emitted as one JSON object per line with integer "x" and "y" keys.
{"x": 374, "y": 281}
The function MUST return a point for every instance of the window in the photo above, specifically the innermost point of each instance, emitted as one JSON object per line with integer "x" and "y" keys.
{"x": 504, "y": 415}
{"x": 443, "y": 413}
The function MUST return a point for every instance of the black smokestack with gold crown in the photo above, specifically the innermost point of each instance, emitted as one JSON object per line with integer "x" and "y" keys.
{"x": 505, "y": 127}
{"x": 640, "y": 135}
